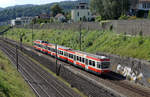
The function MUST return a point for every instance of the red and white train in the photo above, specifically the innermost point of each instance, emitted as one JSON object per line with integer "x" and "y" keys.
{"x": 90, "y": 62}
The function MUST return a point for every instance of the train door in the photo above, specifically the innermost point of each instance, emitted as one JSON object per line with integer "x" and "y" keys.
{"x": 86, "y": 64}
{"x": 74, "y": 58}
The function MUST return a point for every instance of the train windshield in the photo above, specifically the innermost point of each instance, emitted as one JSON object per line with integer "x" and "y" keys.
{"x": 103, "y": 65}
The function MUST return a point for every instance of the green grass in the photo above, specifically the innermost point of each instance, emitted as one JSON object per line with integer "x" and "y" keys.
{"x": 92, "y": 41}
{"x": 11, "y": 82}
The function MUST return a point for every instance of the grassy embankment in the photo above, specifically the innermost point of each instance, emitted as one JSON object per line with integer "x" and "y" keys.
{"x": 11, "y": 82}
{"x": 92, "y": 41}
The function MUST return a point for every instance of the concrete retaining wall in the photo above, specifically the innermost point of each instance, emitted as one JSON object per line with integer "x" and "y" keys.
{"x": 135, "y": 70}
{"x": 131, "y": 27}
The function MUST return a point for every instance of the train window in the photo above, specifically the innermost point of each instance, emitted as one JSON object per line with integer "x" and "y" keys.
{"x": 86, "y": 61}
{"x": 48, "y": 48}
{"x": 90, "y": 62}
{"x": 83, "y": 60}
{"x": 65, "y": 54}
{"x": 93, "y": 62}
{"x": 105, "y": 65}
{"x": 71, "y": 56}
{"x": 62, "y": 53}
{"x": 98, "y": 65}
{"x": 80, "y": 59}
{"x": 58, "y": 51}
{"x": 53, "y": 50}
{"x": 45, "y": 47}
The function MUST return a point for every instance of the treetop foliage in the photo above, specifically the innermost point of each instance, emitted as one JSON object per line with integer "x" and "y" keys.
{"x": 55, "y": 9}
{"x": 109, "y": 9}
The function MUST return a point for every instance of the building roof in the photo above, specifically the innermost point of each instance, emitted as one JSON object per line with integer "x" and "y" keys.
{"x": 59, "y": 15}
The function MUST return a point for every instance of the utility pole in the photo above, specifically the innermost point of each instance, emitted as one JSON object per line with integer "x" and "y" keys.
{"x": 21, "y": 42}
{"x": 56, "y": 57}
{"x": 17, "y": 58}
{"x": 80, "y": 37}
{"x": 32, "y": 34}
{"x": 123, "y": 7}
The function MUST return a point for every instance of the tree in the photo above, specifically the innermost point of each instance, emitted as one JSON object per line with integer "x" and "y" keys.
{"x": 109, "y": 9}
{"x": 68, "y": 15}
{"x": 55, "y": 9}
{"x": 148, "y": 15}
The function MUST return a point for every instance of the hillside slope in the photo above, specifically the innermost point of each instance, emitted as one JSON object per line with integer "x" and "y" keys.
{"x": 92, "y": 41}
{"x": 33, "y": 10}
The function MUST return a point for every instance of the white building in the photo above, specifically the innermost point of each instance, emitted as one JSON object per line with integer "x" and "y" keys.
{"x": 81, "y": 13}
{"x": 21, "y": 21}
{"x": 144, "y": 5}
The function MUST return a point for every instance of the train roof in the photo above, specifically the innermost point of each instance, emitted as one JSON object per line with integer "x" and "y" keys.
{"x": 75, "y": 51}
{"x": 81, "y": 52}
{"x": 59, "y": 46}
{"x": 41, "y": 41}
{"x": 92, "y": 55}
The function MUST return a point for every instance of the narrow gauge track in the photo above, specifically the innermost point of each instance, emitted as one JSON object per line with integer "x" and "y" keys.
{"x": 47, "y": 84}
{"x": 111, "y": 79}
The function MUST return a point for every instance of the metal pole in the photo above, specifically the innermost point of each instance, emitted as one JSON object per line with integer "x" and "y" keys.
{"x": 20, "y": 42}
{"x": 17, "y": 57}
{"x": 80, "y": 37}
{"x": 122, "y": 8}
{"x": 56, "y": 57}
{"x": 32, "y": 34}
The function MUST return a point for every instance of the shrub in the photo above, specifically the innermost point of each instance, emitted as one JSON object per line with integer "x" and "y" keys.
{"x": 98, "y": 19}
{"x": 132, "y": 18}
{"x": 123, "y": 17}
{"x": 148, "y": 15}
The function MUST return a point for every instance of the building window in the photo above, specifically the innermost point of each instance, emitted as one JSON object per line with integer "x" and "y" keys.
{"x": 144, "y": 5}
{"x": 78, "y": 14}
{"x": 88, "y": 13}
{"x": 148, "y": 5}
{"x": 80, "y": 18}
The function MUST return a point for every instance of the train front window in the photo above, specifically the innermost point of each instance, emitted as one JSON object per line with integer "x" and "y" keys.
{"x": 98, "y": 65}
{"x": 105, "y": 65}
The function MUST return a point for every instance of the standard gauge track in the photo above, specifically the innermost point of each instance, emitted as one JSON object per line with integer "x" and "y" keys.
{"x": 43, "y": 83}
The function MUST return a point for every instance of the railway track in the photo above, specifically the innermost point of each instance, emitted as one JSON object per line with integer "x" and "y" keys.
{"x": 127, "y": 86}
{"x": 43, "y": 83}
{"x": 111, "y": 80}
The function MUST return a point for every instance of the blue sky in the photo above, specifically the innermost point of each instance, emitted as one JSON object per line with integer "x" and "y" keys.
{"x": 6, "y": 3}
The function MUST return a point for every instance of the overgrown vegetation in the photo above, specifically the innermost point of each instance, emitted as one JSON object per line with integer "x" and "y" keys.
{"x": 11, "y": 83}
{"x": 92, "y": 41}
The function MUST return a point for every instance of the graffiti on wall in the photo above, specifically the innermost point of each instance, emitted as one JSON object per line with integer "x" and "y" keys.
{"x": 129, "y": 73}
